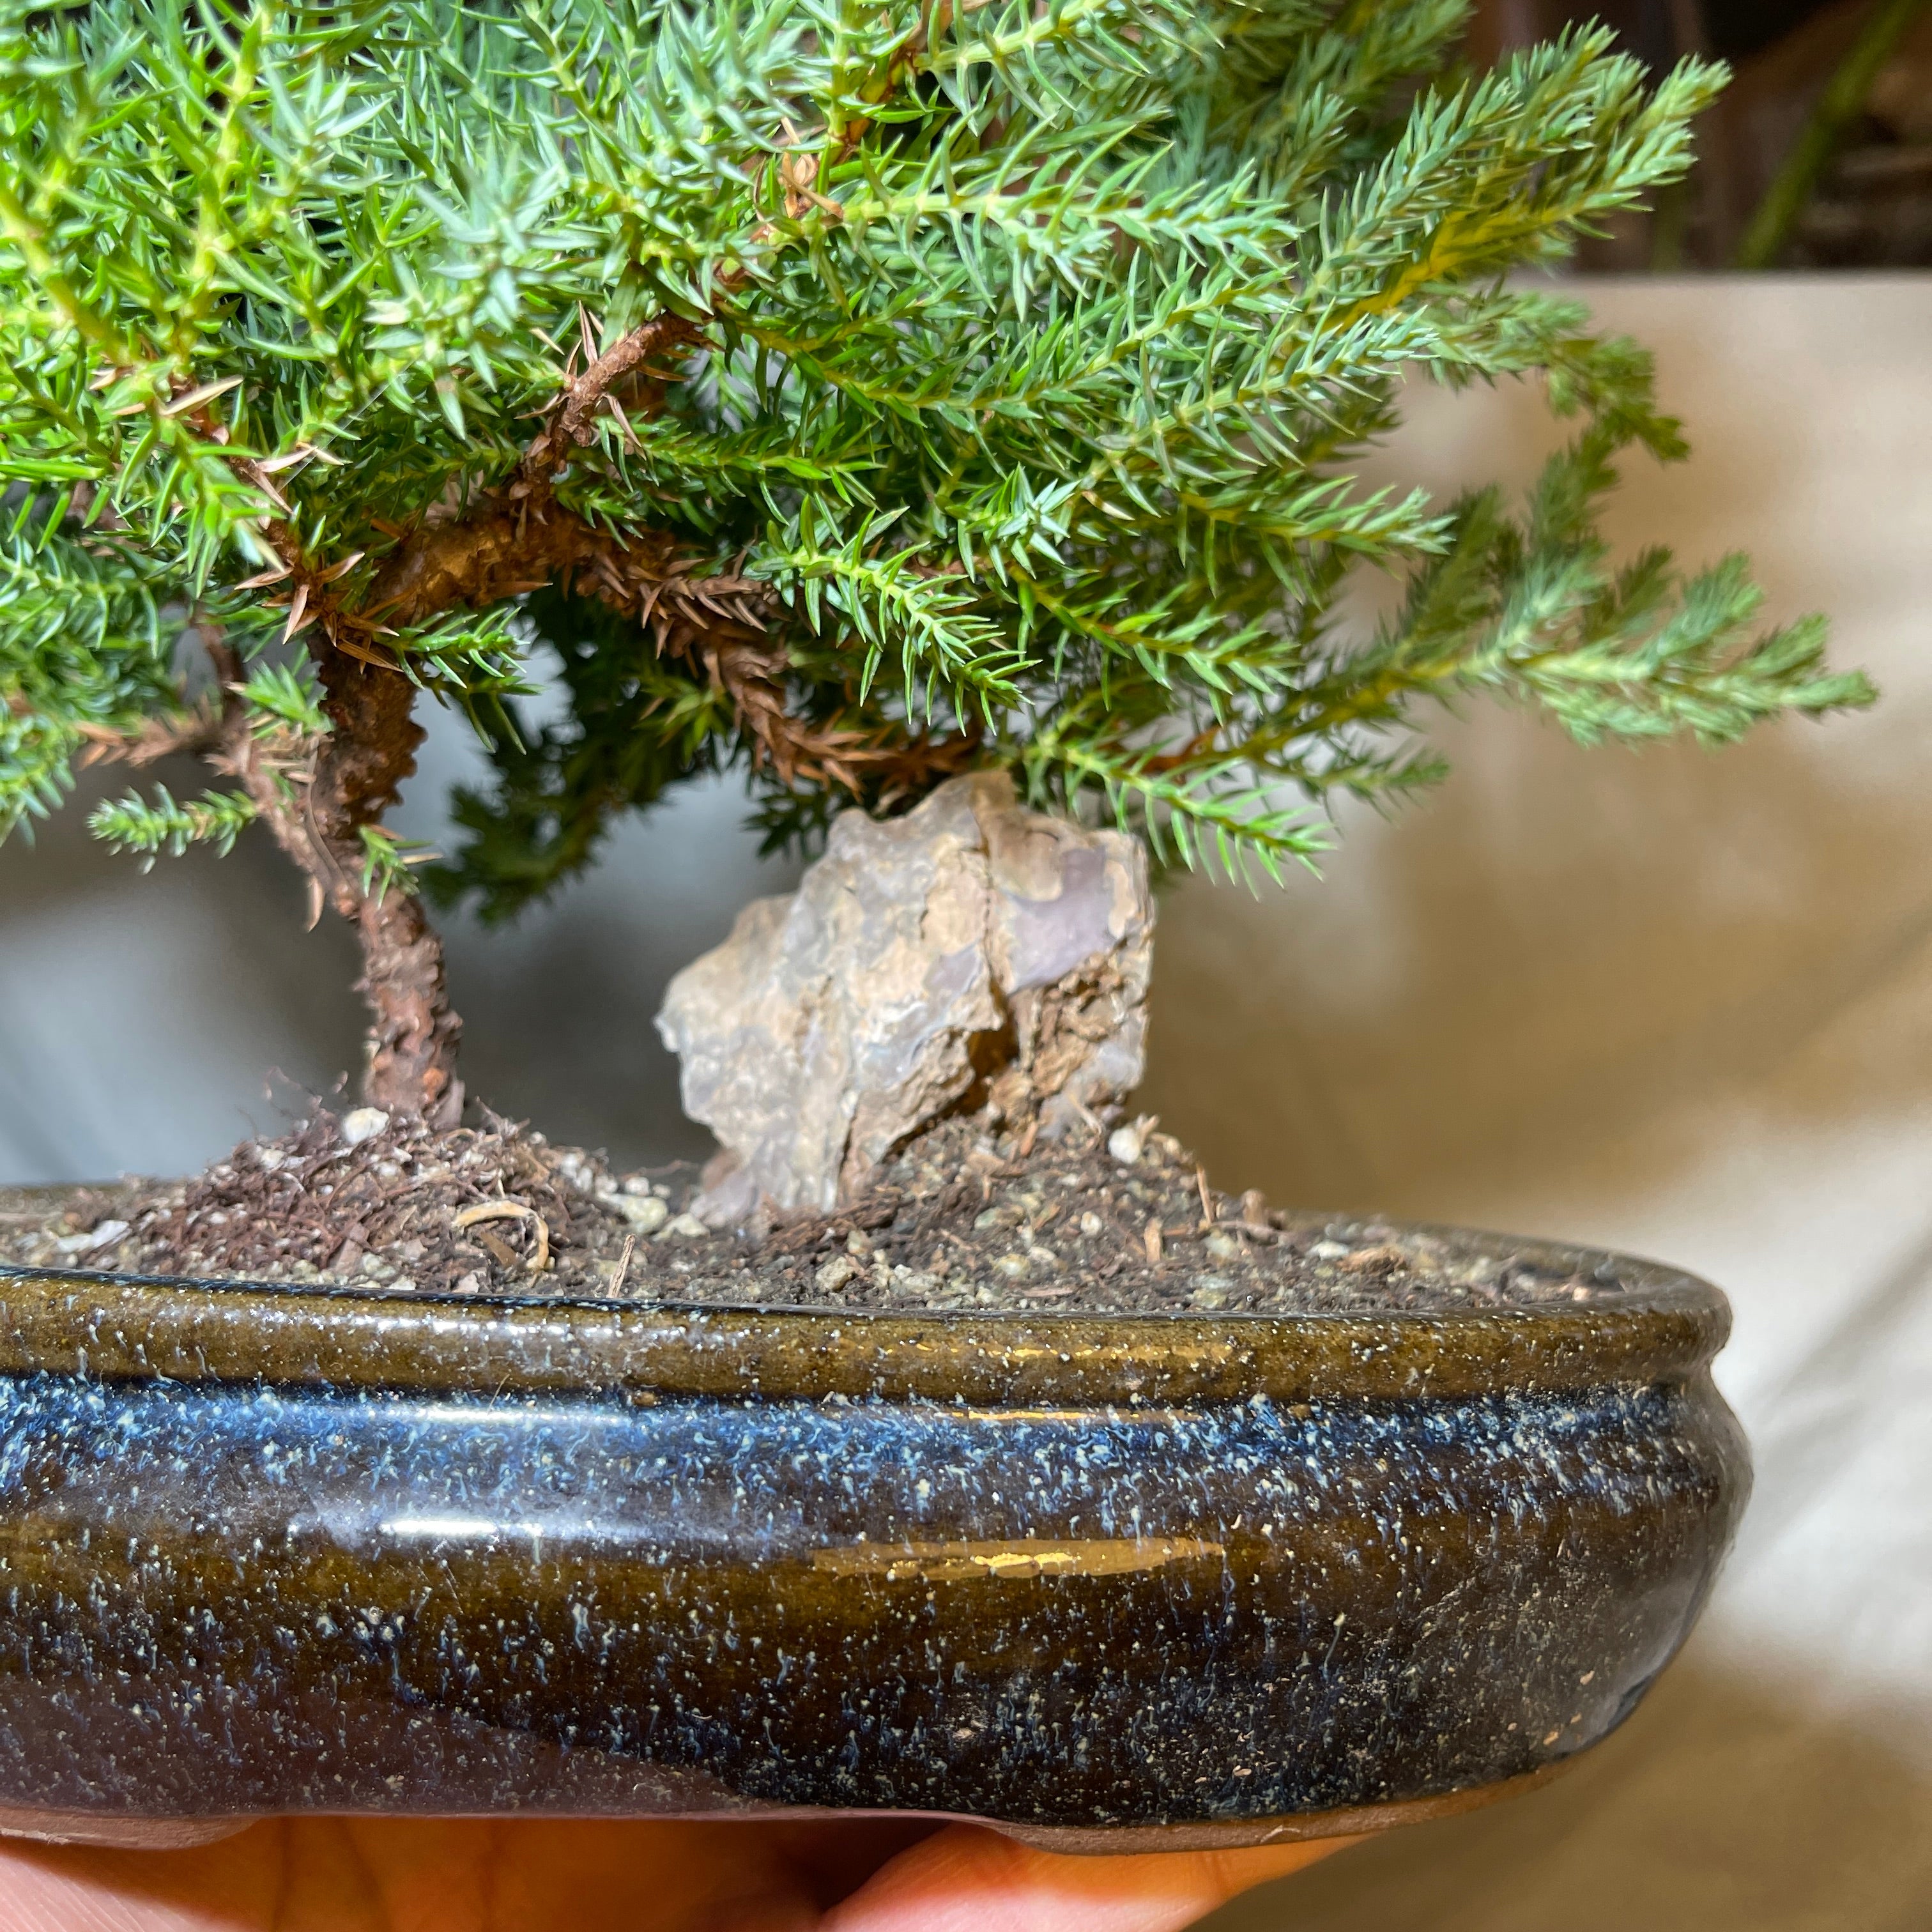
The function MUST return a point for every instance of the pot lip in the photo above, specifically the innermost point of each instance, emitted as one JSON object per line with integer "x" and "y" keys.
{"x": 1629, "y": 1281}
{"x": 1659, "y": 1325}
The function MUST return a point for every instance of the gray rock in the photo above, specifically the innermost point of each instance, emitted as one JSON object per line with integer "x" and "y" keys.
{"x": 972, "y": 952}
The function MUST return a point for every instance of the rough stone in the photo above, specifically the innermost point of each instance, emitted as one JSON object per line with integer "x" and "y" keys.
{"x": 972, "y": 952}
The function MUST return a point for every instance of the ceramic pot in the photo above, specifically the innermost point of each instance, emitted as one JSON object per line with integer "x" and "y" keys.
{"x": 1107, "y": 1584}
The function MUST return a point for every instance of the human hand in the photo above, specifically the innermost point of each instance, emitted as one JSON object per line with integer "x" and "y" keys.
{"x": 544, "y": 1875}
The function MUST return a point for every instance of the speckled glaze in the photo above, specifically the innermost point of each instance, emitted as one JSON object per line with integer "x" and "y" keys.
{"x": 1107, "y": 1583}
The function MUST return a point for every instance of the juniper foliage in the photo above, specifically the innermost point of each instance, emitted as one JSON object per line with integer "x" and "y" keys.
{"x": 1013, "y": 359}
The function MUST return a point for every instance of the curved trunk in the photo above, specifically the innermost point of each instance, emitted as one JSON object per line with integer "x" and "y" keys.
{"x": 317, "y": 796}
{"x": 411, "y": 1068}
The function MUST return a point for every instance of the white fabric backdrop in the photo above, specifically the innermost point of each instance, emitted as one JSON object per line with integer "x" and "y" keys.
{"x": 1677, "y": 1003}
{"x": 1680, "y": 1004}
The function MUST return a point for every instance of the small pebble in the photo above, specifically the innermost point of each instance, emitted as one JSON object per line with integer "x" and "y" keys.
{"x": 576, "y": 1168}
{"x": 1381, "y": 1260}
{"x": 644, "y": 1212}
{"x": 686, "y": 1228}
{"x": 836, "y": 1273}
{"x": 1091, "y": 1224}
{"x": 362, "y": 1123}
{"x": 98, "y": 1237}
{"x": 1224, "y": 1247}
{"x": 1124, "y": 1145}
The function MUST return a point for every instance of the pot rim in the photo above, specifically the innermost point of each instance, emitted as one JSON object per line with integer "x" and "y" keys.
{"x": 1653, "y": 1323}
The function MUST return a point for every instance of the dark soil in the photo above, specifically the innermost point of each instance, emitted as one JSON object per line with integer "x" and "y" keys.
{"x": 961, "y": 1219}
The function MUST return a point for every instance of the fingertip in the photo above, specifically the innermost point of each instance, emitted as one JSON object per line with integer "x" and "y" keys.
{"x": 968, "y": 1878}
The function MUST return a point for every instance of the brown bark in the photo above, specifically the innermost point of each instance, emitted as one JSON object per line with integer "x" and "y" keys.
{"x": 315, "y": 796}
{"x": 716, "y": 622}
{"x": 572, "y": 423}
{"x": 412, "y": 1065}
{"x": 359, "y": 774}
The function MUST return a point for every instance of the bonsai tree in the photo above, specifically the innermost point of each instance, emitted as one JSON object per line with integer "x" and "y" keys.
{"x": 850, "y": 394}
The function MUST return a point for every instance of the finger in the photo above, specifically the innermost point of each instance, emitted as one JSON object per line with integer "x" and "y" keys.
{"x": 830, "y": 1858}
{"x": 421, "y": 1875}
{"x": 966, "y": 1878}
{"x": 231, "y": 1884}
{"x": 580, "y": 1875}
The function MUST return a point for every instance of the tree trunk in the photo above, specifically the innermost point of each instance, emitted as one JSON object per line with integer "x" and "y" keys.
{"x": 412, "y": 1036}
{"x": 317, "y": 796}
{"x": 411, "y": 1068}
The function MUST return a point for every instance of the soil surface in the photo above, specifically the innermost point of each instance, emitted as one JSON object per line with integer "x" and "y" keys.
{"x": 963, "y": 1218}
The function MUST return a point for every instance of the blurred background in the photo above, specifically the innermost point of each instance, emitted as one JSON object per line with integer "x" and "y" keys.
{"x": 1679, "y": 1002}
{"x": 1819, "y": 154}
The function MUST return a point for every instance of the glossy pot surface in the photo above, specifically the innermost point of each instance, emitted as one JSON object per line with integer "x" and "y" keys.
{"x": 1167, "y": 1580}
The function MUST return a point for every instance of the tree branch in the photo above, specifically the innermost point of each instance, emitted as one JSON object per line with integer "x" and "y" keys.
{"x": 520, "y": 538}
{"x": 195, "y": 734}
{"x": 571, "y": 422}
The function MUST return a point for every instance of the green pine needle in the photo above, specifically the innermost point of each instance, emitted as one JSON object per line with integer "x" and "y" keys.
{"x": 132, "y": 824}
{"x": 1038, "y": 349}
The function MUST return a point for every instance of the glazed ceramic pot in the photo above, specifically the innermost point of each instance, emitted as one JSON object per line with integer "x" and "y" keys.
{"x": 1108, "y": 1584}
